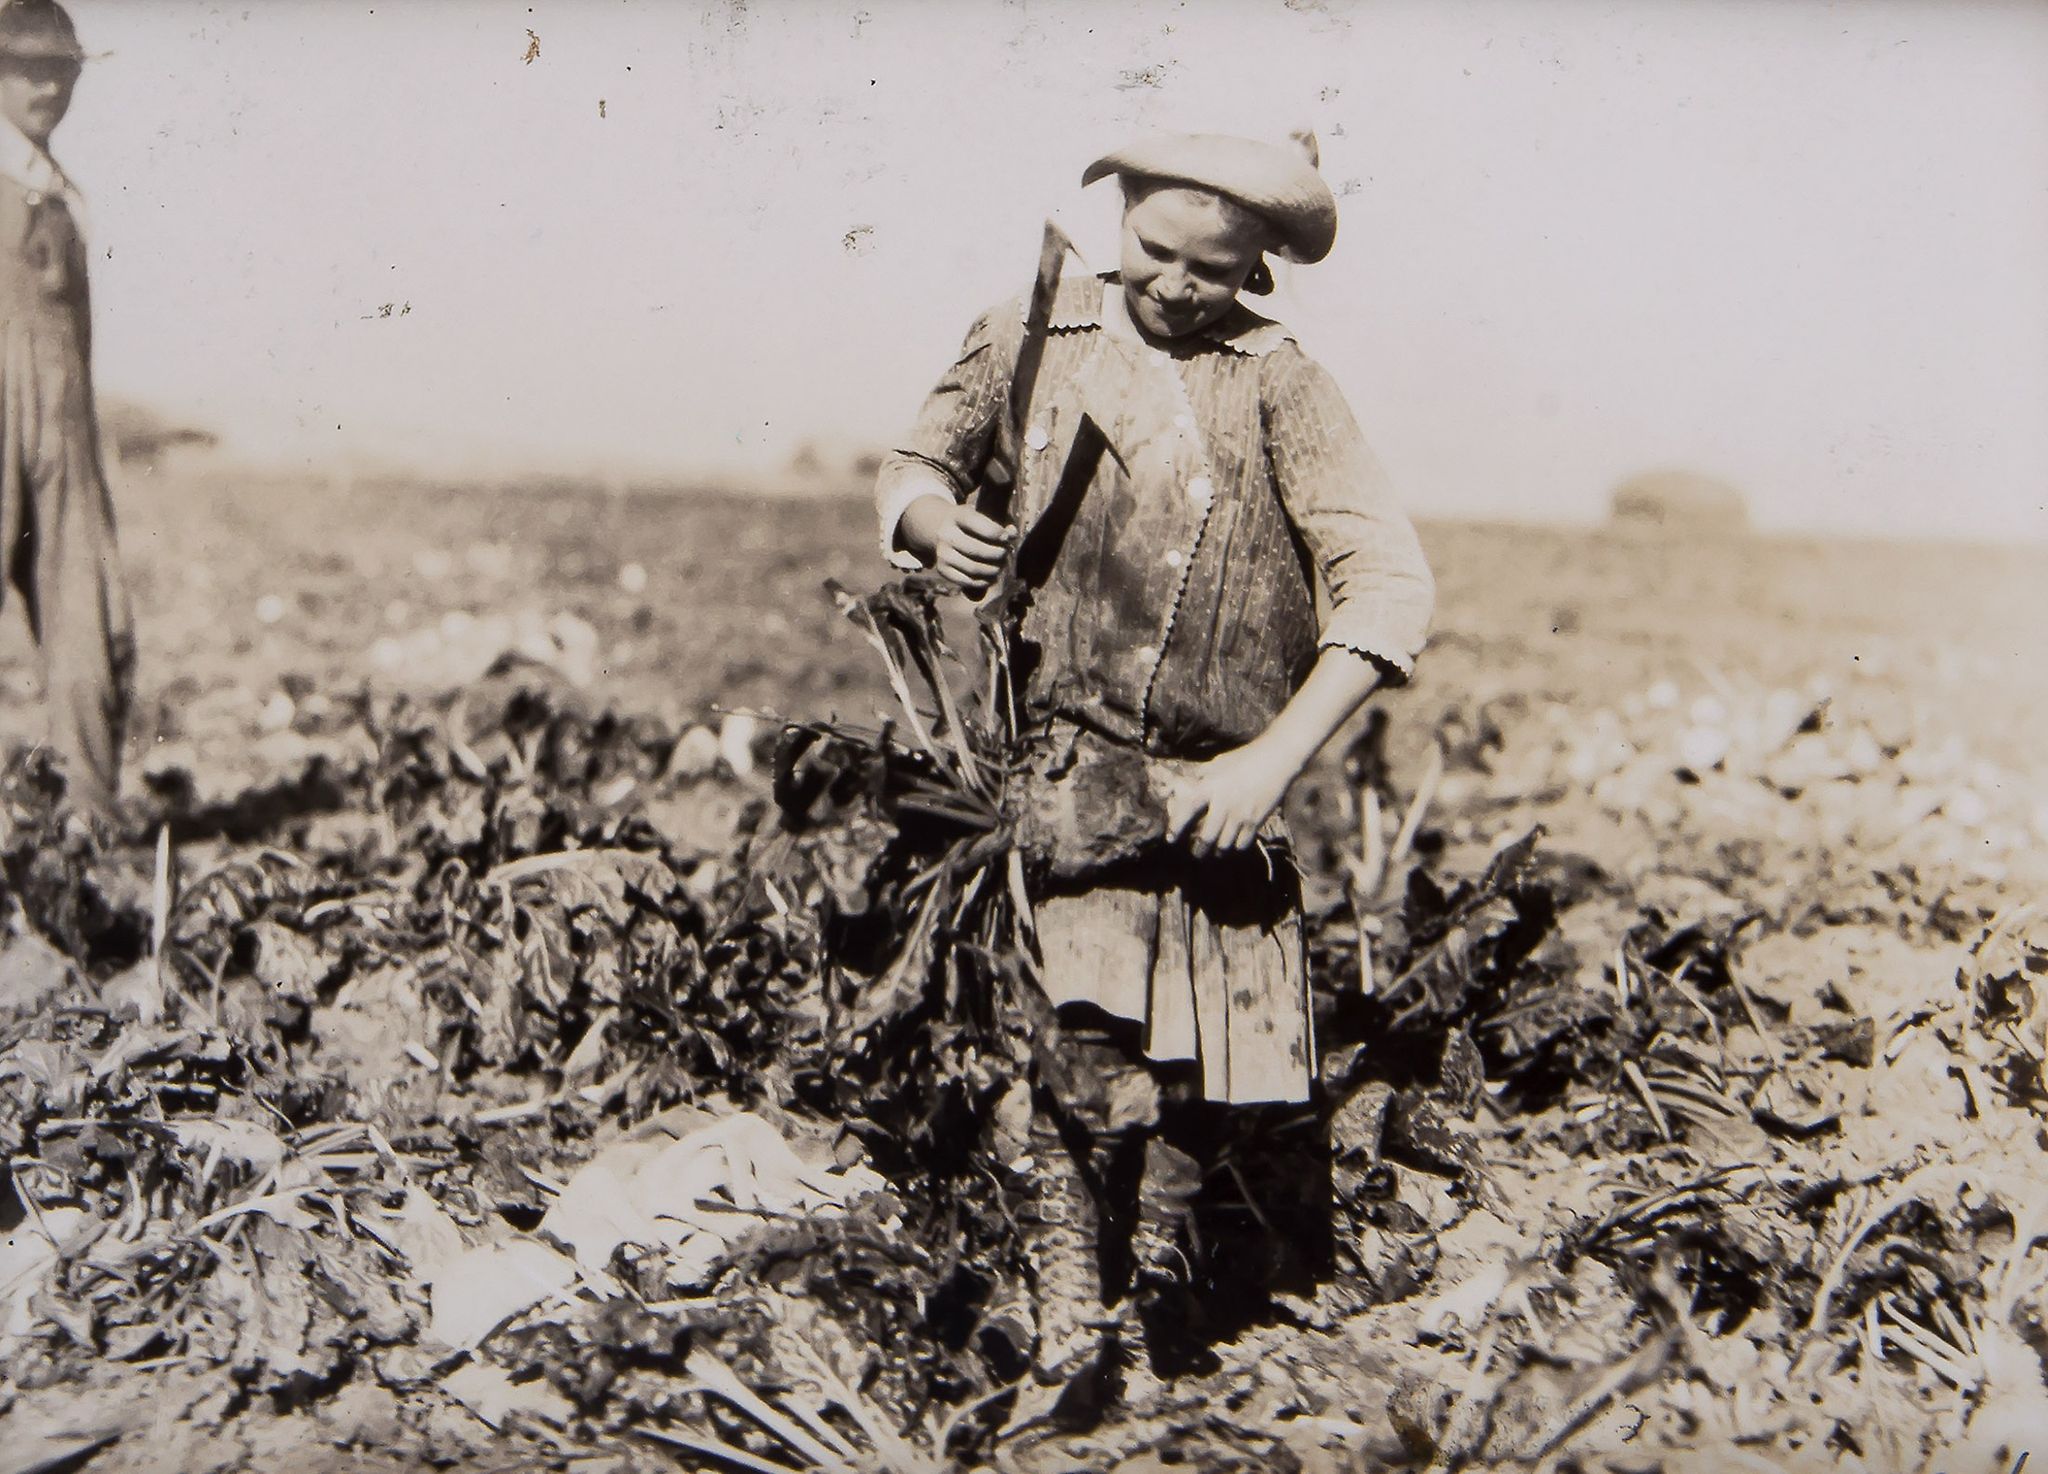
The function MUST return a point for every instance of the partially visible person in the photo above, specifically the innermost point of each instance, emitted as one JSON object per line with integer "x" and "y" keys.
{"x": 56, "y": 516}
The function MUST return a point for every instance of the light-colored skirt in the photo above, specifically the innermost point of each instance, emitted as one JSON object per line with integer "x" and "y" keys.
{"x": 1232, "y": 998}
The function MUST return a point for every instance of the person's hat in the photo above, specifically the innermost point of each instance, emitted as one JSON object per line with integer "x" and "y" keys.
{"x": 38, "y": 30}
{"x": 1275, "y": 180}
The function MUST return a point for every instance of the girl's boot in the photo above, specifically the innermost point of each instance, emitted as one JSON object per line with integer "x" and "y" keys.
{"x": 1062, "y": 1247}
{"x": 1162, "y": 1297}
{"x": 1161, "y": 1238}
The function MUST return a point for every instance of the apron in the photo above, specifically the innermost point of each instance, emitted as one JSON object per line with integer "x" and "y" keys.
{"x": 1206, "y": 956}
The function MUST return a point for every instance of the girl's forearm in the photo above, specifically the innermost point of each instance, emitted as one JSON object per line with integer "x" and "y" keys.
{"x": 1336, "y": 687}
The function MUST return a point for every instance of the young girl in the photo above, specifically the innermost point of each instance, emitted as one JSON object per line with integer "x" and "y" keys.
{"x": 1182, "y": 475}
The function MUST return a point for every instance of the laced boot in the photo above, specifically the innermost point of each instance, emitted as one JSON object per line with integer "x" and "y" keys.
{"x": 1162, "y": 1298}
{"x": 1167, "y": 1186}
{"x": 1062, "y": 1244}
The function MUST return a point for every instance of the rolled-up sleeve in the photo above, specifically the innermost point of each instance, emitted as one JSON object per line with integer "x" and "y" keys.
{"x": 950, "y": 445}
{"x": 1381, "y": 591}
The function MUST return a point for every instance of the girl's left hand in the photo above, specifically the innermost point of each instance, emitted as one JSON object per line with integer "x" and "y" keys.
{"x": 1232, "y": 795}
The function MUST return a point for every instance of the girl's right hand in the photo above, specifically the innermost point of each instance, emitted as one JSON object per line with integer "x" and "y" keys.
{"x": 966, "y": 548}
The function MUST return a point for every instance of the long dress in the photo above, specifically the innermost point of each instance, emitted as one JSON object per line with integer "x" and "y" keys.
{"x": 56, "y": 515}
{"x": 1177, "y": 617}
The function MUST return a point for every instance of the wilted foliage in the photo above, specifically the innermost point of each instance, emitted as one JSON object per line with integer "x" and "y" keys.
{"x": 508, "y": 1072}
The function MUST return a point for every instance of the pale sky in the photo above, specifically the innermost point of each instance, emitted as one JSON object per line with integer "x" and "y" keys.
{"x": 1795, "y": 244}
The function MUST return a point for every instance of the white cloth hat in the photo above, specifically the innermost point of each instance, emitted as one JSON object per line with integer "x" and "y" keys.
{"x": 1278, "y": 181}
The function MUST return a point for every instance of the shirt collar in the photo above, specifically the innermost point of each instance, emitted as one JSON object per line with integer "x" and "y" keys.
{"x": 31, "y": 167}
{"x": 1097, "y": 302}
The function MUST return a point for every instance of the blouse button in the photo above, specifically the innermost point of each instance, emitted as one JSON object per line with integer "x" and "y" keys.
{"x": 1037, "y": 438}
{"x": 1201, "y": 491}
{"x": 1173, "y": 558}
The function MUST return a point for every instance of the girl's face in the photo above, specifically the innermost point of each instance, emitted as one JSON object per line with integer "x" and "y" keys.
{"x": 35, "y": 93}
{"x": 1186, "y": 253}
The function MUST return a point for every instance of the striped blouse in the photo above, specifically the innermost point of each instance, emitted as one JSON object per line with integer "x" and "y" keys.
{"x": 1179, "y": 612}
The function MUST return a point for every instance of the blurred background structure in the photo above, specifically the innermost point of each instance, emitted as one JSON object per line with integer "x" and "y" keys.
{"x": 1794, "y": 247}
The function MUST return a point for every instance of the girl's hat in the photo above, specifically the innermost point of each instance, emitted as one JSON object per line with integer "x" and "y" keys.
{"x": 38, "y": 30}
{"x": 1278, "y": 182}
